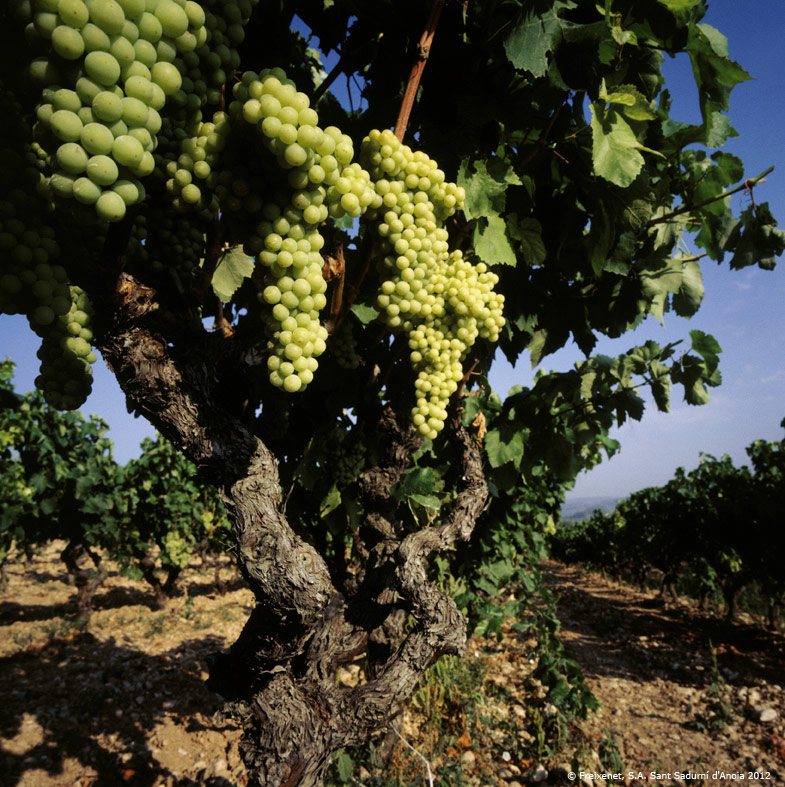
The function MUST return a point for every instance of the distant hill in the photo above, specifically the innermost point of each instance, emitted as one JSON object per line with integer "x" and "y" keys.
{"x": 583, "y": 507}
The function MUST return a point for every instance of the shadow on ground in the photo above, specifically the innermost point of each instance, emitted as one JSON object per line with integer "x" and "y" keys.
{"x": 622, "y": 633}
{"x": 97, "y": 702}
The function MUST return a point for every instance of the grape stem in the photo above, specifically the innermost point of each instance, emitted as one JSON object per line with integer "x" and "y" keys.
{"x": 462, "y": 384}
{"x": 353, "y": 290}
{"x": 221, "y": 323}
{"x": 337, "y": 298}
{"x": 211, "y": 256}
{"x": 423, "y": 50}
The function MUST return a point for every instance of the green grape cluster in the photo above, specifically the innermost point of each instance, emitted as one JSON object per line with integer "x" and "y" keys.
{"x": 342, "y": 456}
{"x": 176, "y": 549}
{"x": 190, "y": 145}
{"x": 172, "y": 244}
{"x": 32, "y": 281}
{"x": 287, "y": 242}
{"x": 196, "y": 164}
{"x": 66, "y": 355}
{"x": 207, "y": 66}
{"x": 28, "y": 282}
{"x": 352, "y": 193}
{"x": 344, "y": 347}
{"x": 440, "y": 298}
{"x": 106, "y": 76}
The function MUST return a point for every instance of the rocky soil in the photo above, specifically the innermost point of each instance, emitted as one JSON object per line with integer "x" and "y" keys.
{"x": 668, "y": 705}
{"x": 122, "y": 700}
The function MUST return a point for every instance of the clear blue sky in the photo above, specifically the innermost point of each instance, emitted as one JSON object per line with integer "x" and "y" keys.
{"x": 744, "y": 310}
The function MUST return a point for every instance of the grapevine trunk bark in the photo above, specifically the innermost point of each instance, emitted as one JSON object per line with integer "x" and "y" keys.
{"x": 280, "y": 677}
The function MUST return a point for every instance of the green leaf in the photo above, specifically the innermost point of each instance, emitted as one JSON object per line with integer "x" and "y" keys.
{"x": 528, "y": 233}
{"x": 428, "y": 501}
{"x": 331, "y": 501}
{"x": 233, "y": 268}
{"x": 707, "y": 347}
{"x": 679, "y": 8}
{"x": 364, "y": 313}
{"x": 485, "y": 188}
{"x": 633, "y": 104}
{"x": 718, "y": 128}
{"x": 500, "y": 450}
{"x": 614, "y": 147}
{"x": 756, "y": 239}
{"x": 658, "y": 283}
{"x": 491, "y": 243}
{"x": 690, "y": 295}
{"x": 537, "y": 345}
{"x": 345, "y": 766}
{"x": 661, "y": 391}
{"x": 715, "y": 73}
{"x": 587, "y": 382}
{"x": 419, "y": 481}
{"x": 536, "y": 35}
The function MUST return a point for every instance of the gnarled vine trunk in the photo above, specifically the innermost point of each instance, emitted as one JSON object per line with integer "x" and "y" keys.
{"x": 280, "y": 675}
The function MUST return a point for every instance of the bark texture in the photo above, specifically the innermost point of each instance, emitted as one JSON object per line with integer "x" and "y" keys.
{"x": 280, "y": 675}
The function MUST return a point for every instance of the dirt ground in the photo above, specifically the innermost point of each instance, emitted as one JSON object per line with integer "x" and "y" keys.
{"x": 666, "y": 704}
{"x": 122, "y": 700}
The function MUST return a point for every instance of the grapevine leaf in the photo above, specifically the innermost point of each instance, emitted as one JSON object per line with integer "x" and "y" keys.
{"x": 419, "y": 482}
{"x": 679, "y": 5}
{"x": 715, "y": 73}
{"x": 707, "y": 347}
{"x": 528, "y": 233}
{"x": 491, "y": 243}
{"x": 718, "y": 128}
{"x": 331, "y": 501}
{"x": 536, "y": 35}
{"x": 628, "y": 403}
{"x": 658, "y": 284}
{"x": 633, "y": 104}
{"x": 485, "y": 193}
{"x": 364, "y": 313}
{"x": 345, "y": 767}
{"x": 587, "y": 382}
{"x": 537, "y": 345}
{"x": 622, "y": 36}
{"x": 716, "y": 232}
{"x": 756, "y": 239}
{"x": 661, "y": 391}
{"x": 614, "y": 147}
{"x": 501, "y": 450}
{"x": 427, "y": 501}
{"x": 233, "y": 268}
{"x": 689, "y": 297}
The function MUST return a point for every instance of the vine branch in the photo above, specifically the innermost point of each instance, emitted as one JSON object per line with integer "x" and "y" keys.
{"x": 423, "y": 48}
{"x": 749, "y": 183}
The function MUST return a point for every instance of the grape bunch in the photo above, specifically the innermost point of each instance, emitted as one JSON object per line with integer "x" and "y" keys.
{"x": 342, "y": 455}
{"x": 207, "y": 66}
{"x": 172, "y": 244}
{"x": 31, "y": 280}
{"x": 66, "y": 355}
{"x": 190, "y": 144}
{"x": 440, "y": 298}
{"x": 192, "y": 172}
{"x": 344, "y": 346}
{"x": 108, "y": 69}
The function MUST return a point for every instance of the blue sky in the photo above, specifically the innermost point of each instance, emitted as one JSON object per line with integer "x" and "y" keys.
{"x": 744, "y": 310}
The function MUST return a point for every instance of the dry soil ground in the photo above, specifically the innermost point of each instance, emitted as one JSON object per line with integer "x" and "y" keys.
{"x": 122, "y": 700}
